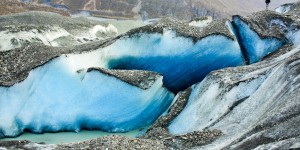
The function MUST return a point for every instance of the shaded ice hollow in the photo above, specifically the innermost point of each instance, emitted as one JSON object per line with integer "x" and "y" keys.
{"x": 75, "y": 101}
{"x": 163, "y": 52}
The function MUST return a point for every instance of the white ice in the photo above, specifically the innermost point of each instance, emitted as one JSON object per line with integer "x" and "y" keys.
{"x": 283, "y": 9}
{"x": 55, "y": 36}
{"x": 209, "y": 102}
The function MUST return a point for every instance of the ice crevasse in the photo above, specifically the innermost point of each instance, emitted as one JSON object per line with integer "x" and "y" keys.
{"x": 65, "y": 95}
{"x": 181, "y": 61}
{"x": 55, "y": 98}
{"x": 184, "y": 62}
{"x": 255, "y": 47}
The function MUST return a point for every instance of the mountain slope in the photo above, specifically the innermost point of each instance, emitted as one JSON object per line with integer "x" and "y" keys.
{"x": 14, "y": 6}
{"x": 179, "y": 9}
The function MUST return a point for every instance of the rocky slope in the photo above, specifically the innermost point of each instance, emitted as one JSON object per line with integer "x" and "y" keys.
{"x": 252, "y": 103}
{"x": 14, "y": 6}
{"x": 51, "y": 29}
{"x": 180, "y": 9}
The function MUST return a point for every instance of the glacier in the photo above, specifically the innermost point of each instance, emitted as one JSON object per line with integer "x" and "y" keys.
{"x": 55, "y": 97}
{"x": 55, "y": 36}
{"x": 251, "y": 105}
{"x": 101, "y": 86}
{"x": 181, "y": 61}
{"x": 22, "y": 29}
{"x": 255, "y": 46}
{"x": 212, "y": 103}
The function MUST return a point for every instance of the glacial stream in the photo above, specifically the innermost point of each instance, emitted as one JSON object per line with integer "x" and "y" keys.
{"x": 68, "y": 137}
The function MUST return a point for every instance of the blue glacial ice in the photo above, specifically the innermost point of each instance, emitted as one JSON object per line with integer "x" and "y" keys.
{"x": 55, "y": 98}
{"x": 181, "y": 61}
{"x": 256, "y": 47}
{"x": 93, "y": 100}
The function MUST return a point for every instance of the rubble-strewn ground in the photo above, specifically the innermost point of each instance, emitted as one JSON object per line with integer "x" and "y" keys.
{"x": 14, "y": 6}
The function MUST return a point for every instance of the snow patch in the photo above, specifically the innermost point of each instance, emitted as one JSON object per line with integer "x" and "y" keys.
{"x": 53, "y": 36}
{"x": 201, "y": 23}
{"x": 284, "y": 8}
{"x": 98, "y": 29}
{"x": 279, "y": 23}
{"x": 47, "y": 36}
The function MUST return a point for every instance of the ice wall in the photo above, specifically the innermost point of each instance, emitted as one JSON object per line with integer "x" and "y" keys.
{"x": 209, "y": 102}
{"x": 251, "y": 105}
{"x": 255, "y": 46}
{"x": 181, "y": 61}
{"x": 62, "y": 96}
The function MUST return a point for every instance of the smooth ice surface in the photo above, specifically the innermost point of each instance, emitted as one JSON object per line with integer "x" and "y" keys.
{"x": 55, "y": 97}
{"x": 181, "y": 62}
{"x": 256, "y": 47}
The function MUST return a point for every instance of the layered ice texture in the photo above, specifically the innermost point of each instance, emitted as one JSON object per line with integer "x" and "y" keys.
{"x": 62, "y": 96}
{"x": 255, "y": 47}
{"x": 251, "y": 105}
{"x": 181, "y": 61}
{"x": 210, "y": 101}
